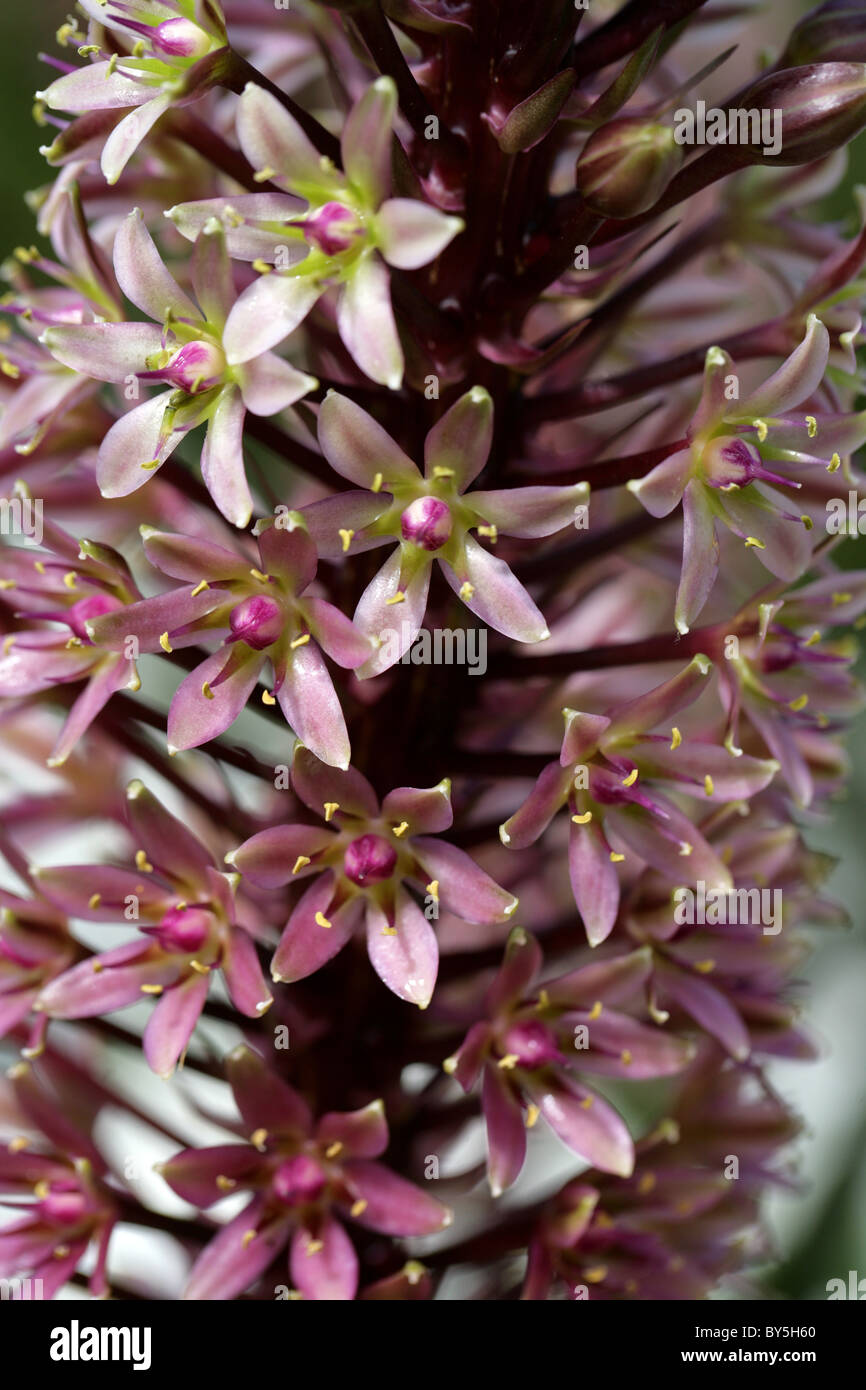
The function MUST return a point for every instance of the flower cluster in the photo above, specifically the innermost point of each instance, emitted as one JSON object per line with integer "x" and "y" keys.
{"x": 387, "y": 276}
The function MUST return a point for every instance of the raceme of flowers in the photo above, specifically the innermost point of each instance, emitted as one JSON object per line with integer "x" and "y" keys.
{"x": 315, "y": 283}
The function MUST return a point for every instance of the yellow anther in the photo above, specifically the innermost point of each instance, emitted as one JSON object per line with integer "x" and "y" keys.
{"x": 225, "y": 1184}
{"x": 647, "y": 1183}
{"x": 260, "y": 576}
{"x": 300, "y": 641}
{"x": 199, "y": 969}
{"x": 450, "y": 1065}
{"x": 400, "y": 829}
{"x": 760, "y": 428}
{"x": 94, "y": 901}
{"x": 151, "y": 464}
{"x": 705, "y": 967}
{"x": 7, "y": 583}
{"x": 263, "y": 175}
{"x": 839, "y": 598}
{"x": 141, "y": 862}
{"x": 17, "y": 1145}
{"x": 466, "y": 590}
{"x": 800, "y": 703}
{"x": 616, "y": 858}
{"x": 490, "y": 532}
{"x": 199, "y": 588}
{"x": 301, "y": 863}
{"x": 532, "y": 1114}
{"x": 835, "y": 464}
{"x": 631, "y": 779}
{"x": 807, "y": 521}
{"x": 432, "y": 889}
{"x": 151, "y": 989}
{"x": 70, "y": 579}
{"x": 811, "y": 426}
{"x": 685, "y": 849}
{"x": 41, "y": 1189}
{"x": 509, "y": 1061}
{"x": 399, "y": 597}
{"x": 9, "y": 368}
{"x": 315, "y": 1246}
{"x": 376, "y": 485}
{"x": 676, "y": 738}
{"x": 259, "y": 1138}
{"x": 39, "y": 566}
{"x": 441, "y": 472}
{"x": 262, "y": 267}
{"x": 597, "y": 1275}
{"x": 97, "y": 967}
{"x": 207, "y": 692}
{"x": 321, "y": 920}
{"x": 72, "y": 642}
{"x": 268, "y": 698}
{"x": 334, "y": 1149}
{"x": 358, "y": 1208}
{"x": 248, "y": 1237}
{"x": 626, "y": 1058}
{"x": 709, "y": 785}
{"x": 753, "y": 541}
{"x": 814, "y": 639}
{"x": 165, "y": 644}
{"x": 595, "y": 1011}
{"x": 582, "y": 819}
{"x": 345, "y": 535}
{"x": 331, "y": 809}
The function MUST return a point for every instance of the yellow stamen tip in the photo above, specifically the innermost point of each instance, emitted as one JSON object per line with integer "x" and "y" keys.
{"x": 165, "y": 644}
{"x": 331, "y": 809}
{"x": 346, "y": 538}
{"x": 301, "y": 863}
{"x": 676, "y": 738}
{"x": 321, "y": 920}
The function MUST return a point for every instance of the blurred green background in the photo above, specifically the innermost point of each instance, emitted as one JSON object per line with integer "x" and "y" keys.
{"x": 821, "y": 1232}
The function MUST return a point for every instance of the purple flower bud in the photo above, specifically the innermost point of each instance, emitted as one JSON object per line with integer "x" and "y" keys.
{"x": 426, "y": 522}
{"x": 334, "y": 228}
{"x": 196, "y": 367}
{"x": 258, "y": 621}
{"x": 298, "y": 1180}
{"x": 183, "y": 929}
{"x": 180, "y": 38}
{"x": 832, "y": 33}
{"x": 823, "y": 106}
{"x": 531, "y": 1043}
{"x": 369, "y": 859}
{"x": 625, "y": 167}
{"x": 63, "y": 1206}
{"x": 86, "y": 609}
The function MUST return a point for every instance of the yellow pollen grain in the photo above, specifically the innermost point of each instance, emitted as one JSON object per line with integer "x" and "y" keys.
{"x": 400, "y": 829}
{"x": 207, "y": 692}
{"x": 142, "y": 863}
{"x": 97, "y": 967}
{"x": 753, "y": 541}
{"x": 389, "y": 931}
{"x": 300, "y": 863}
{"x": 315, "y": 1246}
{"x": 331, "y": 809}
{"x": 268, "y": 698}
{"x": 225, "y": 1184}
{"x": 165, "y": 644}
{"x": 616, "y": 858}
{"x": 260, "y": 576}
{"x": 647, "y": 1183}
{"x": 432, "y": 889}
{"x": 358, "y": 1208}
{"x": 800, "y": 703}
{"x": 685, "y": 849}
{"x": 334, "y": 1150}
{"x": 582, "y": 819}
{"x": 586, "y": 1103}
{"x": 247, "y": 1238}
{"x": 811, "y": 426}
{"x": 532, "y": 1115}
{"x": 705, "y": 967}
{"x": 466, "y": 590}
{"x": 151, "y": 465}
{"x": 760, "y": 427}
{"x": 94, "y": 900}
{"x": 835, "y": 464}
{"x": 259, "y": 1138}
{"x": 676, "y": 738}
{"x": 70, "y": 580}
{"x": 839, "y": 598}
{"x": 814, "y": 639}
{"x": 345, "y": 535}
{"x": 626, "y": 1058}
{"x": 399, "y": 597}
{"x": 596, "y": 1010}
{"x": 263, "y": 175}
{"x": 709, "y": 785}
{"x": 300, "y": 641}
{"x": 321, "y": 920}
{"x": 199, "y": 588}
{"x": 39, "y": 566}
{"x": 199, "y": 969}
{"x": 597, "y": 1275}
{"x": 7, "y": 583}
{"x": 509, "y": 1061}
{"x": 151, "y": 989}
{"x": 262, "y": 267}
{"x": 17, "y": 1145}
{"x": 631, "y": 779}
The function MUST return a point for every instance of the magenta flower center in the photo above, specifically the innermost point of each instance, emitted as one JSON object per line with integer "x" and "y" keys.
{"x": 196, "y": 367}
{"x": 258, "y": 621}
{"x": 184, "y": 929}
{"x": 369, "y": 859}
{"x": 334, "y": 228}
{"x": 86, "y": 609}
{"x": 298, "y": 1180}
{"x": 426, "y": 522}
{"x": 180, "y": 38}
{"x": 731, "y": 460}
{"x": 531, "y": 1043}
{"x": 64, "y": 1208}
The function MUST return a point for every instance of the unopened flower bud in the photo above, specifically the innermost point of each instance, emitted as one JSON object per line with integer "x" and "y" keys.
{"x": 369, "y": 859}
{"x": 832, "y": 33}
{"x": 626, "y": 165}
{"x": 427, "y": 523}
{"x": 258, "y": 621}
{"x": 822, "y": 106}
